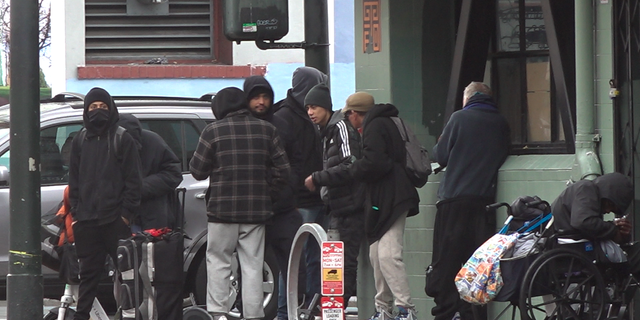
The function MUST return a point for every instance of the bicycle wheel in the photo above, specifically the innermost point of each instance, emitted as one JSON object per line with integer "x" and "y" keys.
{"x": 562, "y": 284}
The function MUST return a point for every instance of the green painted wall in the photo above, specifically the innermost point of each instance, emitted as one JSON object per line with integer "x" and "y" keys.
{"x": 603, "y": 73}
{"x": 373, "y": 70}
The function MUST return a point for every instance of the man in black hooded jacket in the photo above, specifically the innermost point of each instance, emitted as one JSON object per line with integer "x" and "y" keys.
{"x": 389, "y": 199}
{"x": 161, "y": 174}
{"x": 286, "y": 220}
{"x": 580, "y": 208}
{"x": 302, "y": 142}
{"x": 104, "y": 191}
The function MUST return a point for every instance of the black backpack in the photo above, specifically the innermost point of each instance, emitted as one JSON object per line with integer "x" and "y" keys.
{"x": 418, "y": 164}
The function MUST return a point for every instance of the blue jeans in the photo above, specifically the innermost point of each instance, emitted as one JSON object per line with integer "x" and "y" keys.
{"x": 312, "y": 249}
{"x": 283, "y": 313}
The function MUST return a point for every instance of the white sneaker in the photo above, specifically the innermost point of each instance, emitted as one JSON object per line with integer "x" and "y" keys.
{"x": 381, "y": 315}
{"x": 406, "y": 314}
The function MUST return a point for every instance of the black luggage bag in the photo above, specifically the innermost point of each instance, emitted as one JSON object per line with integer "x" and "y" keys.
{"x": 151, "y": 278}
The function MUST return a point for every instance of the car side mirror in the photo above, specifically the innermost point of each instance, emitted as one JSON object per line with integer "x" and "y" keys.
{"x": 4, "y": 176}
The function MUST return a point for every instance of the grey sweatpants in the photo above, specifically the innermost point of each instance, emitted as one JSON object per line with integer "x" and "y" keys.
{"x": 388, "y": 268}
{"x": 248, "y": 240}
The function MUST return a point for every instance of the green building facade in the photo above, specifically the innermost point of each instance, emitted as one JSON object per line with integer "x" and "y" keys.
{"x": 563, "y": 73}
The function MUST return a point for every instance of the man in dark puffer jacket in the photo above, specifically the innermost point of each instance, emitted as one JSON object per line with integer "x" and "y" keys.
{"x": 343, "y": 196}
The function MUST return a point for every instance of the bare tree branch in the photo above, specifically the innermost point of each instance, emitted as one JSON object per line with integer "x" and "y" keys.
{"x": 44, "y": 32}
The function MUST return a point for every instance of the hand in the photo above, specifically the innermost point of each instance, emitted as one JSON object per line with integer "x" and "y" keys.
{"x": 623, "y": 225}
{"x": 308, "y": 182}
{"x": 624, "y": 231}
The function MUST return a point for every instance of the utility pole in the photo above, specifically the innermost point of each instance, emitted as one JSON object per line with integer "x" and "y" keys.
{"x": 24, "y": 281}
{"x": 316, "y": 35}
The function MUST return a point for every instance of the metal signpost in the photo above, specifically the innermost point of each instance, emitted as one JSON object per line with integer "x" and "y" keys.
{"x": 332, "y": 303}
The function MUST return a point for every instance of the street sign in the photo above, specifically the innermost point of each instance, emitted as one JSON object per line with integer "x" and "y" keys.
{"x": 332, "y": 308}
{"x": 332, "y": 268}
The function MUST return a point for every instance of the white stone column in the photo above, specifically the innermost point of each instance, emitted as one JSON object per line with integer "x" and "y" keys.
{"x": 67, "y": 42}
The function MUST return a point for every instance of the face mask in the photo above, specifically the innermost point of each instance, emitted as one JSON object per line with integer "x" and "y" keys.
{"x": 99, "y": 117}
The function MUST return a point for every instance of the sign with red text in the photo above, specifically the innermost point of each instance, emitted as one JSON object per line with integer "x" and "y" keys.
{"x": 332, "y": 308}
{"x": 332, "y": 268}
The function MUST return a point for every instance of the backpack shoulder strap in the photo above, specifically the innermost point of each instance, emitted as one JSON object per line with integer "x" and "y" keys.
{"x": 82, "y": 135}
{"x": 117, "y": 139}
{"x": 401, "y": 128}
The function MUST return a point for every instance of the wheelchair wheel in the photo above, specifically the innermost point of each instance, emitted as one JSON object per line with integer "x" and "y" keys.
{"x": 562, "y": 284}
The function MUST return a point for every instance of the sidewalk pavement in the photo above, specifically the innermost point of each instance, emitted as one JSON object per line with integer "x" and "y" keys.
{"x": 47, "y": 304}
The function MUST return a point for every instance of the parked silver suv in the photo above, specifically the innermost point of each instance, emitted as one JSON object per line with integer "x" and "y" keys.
{"x": 179, "y": 121}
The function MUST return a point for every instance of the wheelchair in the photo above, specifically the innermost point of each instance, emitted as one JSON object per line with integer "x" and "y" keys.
{"x": 560, "y": 276}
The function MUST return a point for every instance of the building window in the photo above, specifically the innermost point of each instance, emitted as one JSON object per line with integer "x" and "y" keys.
{"x": 183, "y": 33}
{"x": 522, "y": 78}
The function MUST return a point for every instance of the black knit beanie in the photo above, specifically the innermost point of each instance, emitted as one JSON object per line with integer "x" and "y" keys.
{"x": 319, "y": 95}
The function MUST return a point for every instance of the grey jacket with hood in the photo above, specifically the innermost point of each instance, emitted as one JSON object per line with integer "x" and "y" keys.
{"x": 579, "y": 206}
{"x": 103, "y": 185}
{"x": 301, "y": 138}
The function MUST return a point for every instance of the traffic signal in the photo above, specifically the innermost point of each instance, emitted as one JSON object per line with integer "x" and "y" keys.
{"x": 248, "y": 20}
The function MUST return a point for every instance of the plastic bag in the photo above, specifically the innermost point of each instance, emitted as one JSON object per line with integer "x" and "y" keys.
{"x": 610, "y": 252}
{"x": 479, "y": 280}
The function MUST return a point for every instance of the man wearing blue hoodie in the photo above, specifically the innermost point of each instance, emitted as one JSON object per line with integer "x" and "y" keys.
{"x": 473, "y": 145}
{"x": 305, "y": 155}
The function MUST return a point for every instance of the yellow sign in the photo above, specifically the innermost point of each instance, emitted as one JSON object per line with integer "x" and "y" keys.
{"x": 332, "y": 274}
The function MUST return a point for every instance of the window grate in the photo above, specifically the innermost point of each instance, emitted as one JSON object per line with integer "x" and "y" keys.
{"x": 113, "y": 35}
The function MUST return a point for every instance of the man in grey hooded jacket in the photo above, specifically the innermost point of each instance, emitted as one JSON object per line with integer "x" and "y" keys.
{"x": 304, "y": 149}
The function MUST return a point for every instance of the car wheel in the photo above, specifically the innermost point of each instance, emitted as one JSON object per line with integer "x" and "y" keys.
{"x": 269, "y": 286}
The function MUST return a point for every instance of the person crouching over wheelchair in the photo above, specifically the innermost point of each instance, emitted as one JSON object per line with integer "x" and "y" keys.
{"x": 581, "y": 206}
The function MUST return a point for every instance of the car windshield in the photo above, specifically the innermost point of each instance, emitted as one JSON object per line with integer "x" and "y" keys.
{"x": 4, "y": 129}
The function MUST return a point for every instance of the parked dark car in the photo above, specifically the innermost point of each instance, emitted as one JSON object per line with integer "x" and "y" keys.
{"x": 179, "y": 121}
